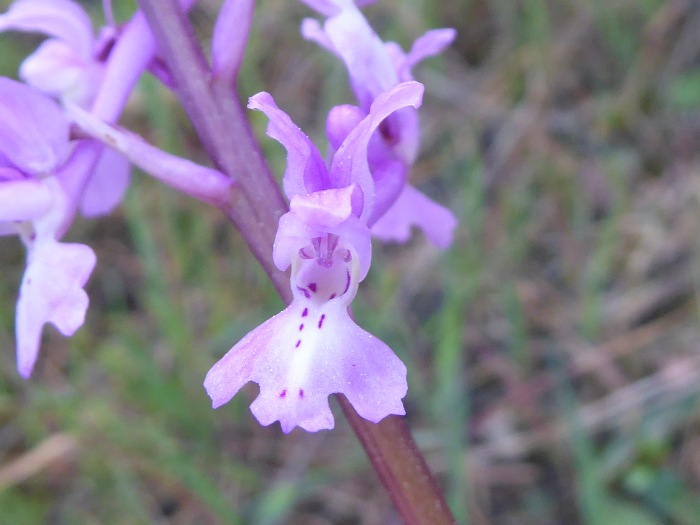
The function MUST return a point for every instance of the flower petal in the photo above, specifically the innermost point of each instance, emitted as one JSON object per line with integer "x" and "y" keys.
{"x": 292, "y": 235}
{"x": 332, "y": 7}
{"x": 129, "y": 56}
{"x": 22, "y": 200}
{"x": 325, "y": 7}
{"x": 389, "y": 177}
{"x": 374, "y": 379}
{"x": 401, "y": 135}
{"x": 306, "y": 172}
{"x": 412, "y": 208}
{"x": 107, "y": 184}
{"x": 55, "y": 68}
{"x": 369, "y": 65}
{"x": 325, "y": 209}
{"x": 340, "y": 122}
{"x": 431, "y": 43}
{"x": 350, "y": 163}
{"x": 52, "y": 286}
{"x": 62, "y": 19}
{"x": 51, "y": 292}
{"x": 33, "y": 129}
{"x": 311, "y": 30}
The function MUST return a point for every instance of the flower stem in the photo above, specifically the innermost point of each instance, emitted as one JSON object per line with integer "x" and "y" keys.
{"x": 220, "y": 122}
{"x": 401, "y": 467}
{"x": 226, "y": 134}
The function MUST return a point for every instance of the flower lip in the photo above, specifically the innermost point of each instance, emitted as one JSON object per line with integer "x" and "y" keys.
{"x": 52, "y": 286}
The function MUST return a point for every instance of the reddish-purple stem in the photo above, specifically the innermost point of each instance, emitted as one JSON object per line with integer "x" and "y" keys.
{"x": 220, "y": 122}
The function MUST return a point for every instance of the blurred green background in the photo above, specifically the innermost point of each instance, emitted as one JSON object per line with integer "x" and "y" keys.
{"x": 553, "y": 351}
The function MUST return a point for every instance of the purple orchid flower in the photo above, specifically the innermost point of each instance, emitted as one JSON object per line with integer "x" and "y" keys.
{"x": 313, "y": 348}
{"x": 70, "y": 66}
{"x": 374, "y": 67}
{"x": 33, "y": 149}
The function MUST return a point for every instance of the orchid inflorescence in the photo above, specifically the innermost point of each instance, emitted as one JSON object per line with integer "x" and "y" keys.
{"x": 60, "y": 153}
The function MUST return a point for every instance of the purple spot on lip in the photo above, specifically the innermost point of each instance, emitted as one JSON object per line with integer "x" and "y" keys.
{"x": 304, "y": 291}
{"x": 332, "y": 296}
{"x": 347, "y": 281}
{"x": 301, "y": 327}
{"x": 320, "y": 321}
{"x": 312, "y": 287}
{"x": 305, "y": 312}
{"x": 298, "y": 343}
{"x": 301, "y": 393}
{"x": 283, "y": 394}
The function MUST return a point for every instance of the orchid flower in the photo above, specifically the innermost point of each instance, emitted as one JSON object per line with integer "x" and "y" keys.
{"x": 373, "y": 67}
{"x": 313, "y": 348}
{"x": 70, "y": 66}
{"x": 33, "y": 149}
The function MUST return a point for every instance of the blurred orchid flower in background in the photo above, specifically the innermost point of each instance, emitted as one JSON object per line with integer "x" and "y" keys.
{"x": 34, "y": 148}
{"x": 70, "y": 66}
{"x": 373, "y": 67}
